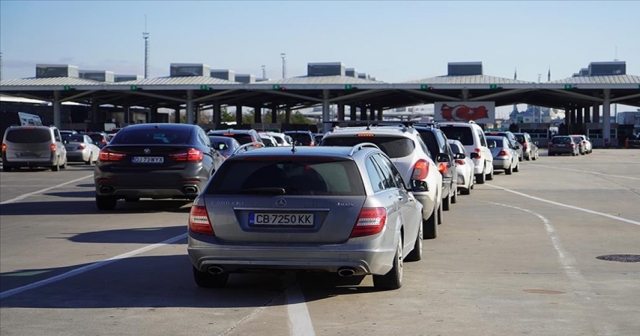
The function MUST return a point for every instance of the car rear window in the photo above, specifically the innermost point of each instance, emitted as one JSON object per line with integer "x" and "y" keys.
{"x": 96, "y": 137}
{"x": 242, "y": 138}
{"x": 456, "y": 149}
{"x": 74, "y": 138}
{"x": 561, "y": 140}
{"x": 462, "y": 134}
{"x": 394, "y": 147}
{"x": 430, "y": 140}
{"x": 302, "y": 138}
{"x": 29, "y": 135}
{"x": 151, "y": 137}
{"x": 520, "y": 138}
{"x": 302, "y": 176}
{"x": 497, "y": 141}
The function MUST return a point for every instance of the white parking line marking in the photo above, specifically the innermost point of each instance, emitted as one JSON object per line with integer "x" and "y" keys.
{"x": 579, "y": 284}
{"x": 89, "y": 267}
{"x": 20, "y": 198}
{"x": 565, "y": 205}
{"x": 299, "y": 319}
{"x": 585, "y": 171}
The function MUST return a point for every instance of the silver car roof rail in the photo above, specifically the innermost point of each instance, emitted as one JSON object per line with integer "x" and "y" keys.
{"x": 245, "y": 146}
{"x": 362, "y": 145}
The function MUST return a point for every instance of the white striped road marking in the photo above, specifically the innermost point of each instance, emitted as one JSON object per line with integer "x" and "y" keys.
{"x": 585, "y": 171}
{"x": 21, "y": 197}
{"x": 565, "y": 205}
{"x": 89, "y": 267}
{"x": 299, "y": 320}
{"x": 579, "y": 284}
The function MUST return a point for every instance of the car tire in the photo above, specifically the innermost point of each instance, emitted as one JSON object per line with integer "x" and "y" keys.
{"x": 480, "y": 178}
{"x": 446, "y": 202}
{"x": 55, "y": 167}
{"x": 517, "y": 168}
{"x": 132, "y": 199}
{"x": 454, "y": 198}
{"x": 6, "y": 168}
{"x": 430, "y": 225}
{"x": 509, "y": 170}
{"x": 106, "y": 202}
{"x": 416, "y": 253}
{"x": 64, "y": 165}
{"x": 88, "y": 162}
{"x": 489, "y": 176}
{"x": 208, "y": 280}
{"x": 393, "y": 278}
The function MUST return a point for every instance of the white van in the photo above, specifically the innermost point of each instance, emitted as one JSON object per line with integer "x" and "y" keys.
{"x": 33, "y": 146}
{"x": 474, "y": 141}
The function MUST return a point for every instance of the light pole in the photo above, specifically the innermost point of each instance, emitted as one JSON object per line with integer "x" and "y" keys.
{"x": 284, "y": 65}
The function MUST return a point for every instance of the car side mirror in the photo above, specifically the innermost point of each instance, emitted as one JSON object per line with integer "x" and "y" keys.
{"x": 442, "y": 157}
{"x": 417, "y": 185}
{"x": 461, "y": 156}
{"x": 474, "y": 155}
{"x": 222, "y": 146}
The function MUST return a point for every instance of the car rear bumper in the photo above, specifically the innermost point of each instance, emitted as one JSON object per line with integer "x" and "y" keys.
{"x": 562, "y": 150}
{"x": 77, "y": 157}
{"x": 31, "y": 162}
{"x": 155, "y": 184}
{"x": 364, "y": 258}
{"x": 501, "y": 163}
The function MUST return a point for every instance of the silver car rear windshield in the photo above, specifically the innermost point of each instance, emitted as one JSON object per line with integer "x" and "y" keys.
{"x": 394, "y": 147}
{"x": 287, "y": 176}
{"x": 28, "y": 135}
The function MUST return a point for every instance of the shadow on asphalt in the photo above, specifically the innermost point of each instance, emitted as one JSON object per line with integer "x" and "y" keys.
{"x": 74, "y": 194}
{"x": 88, "y": 207}
{"x": 156, "y": 282}
{"x": 128, "y": 236}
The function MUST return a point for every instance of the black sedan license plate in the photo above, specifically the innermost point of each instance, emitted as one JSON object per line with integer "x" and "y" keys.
{"x": 288, "y": 219}
{"x": 147, "y": 159}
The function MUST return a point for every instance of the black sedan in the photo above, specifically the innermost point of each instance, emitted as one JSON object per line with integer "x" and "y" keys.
{"x": 154, "y": 161}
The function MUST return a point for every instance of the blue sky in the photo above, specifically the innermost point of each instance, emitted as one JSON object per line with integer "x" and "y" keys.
{"x": 393, "y": 41}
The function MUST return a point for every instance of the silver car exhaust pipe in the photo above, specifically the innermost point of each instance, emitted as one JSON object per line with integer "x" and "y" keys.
{"x": 215, "y": 270}
{"x": 105, "y": 190}
{"x": 346, "y": 272}
{"x": 190, "y": 189}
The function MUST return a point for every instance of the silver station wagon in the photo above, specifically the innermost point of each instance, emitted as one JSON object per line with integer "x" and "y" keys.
{"x": 343, "y": 210}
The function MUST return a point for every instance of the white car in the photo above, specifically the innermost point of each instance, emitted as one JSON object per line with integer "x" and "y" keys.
{"x": 268, "y": 140}
{"x": 409, "y": 154}
{"x": 464, "y": 167}
{"x": 474, "y": 141}
{"x": 282, "y": 139}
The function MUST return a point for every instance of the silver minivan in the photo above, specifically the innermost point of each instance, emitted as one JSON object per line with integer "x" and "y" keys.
{"x": 33, "y": 146}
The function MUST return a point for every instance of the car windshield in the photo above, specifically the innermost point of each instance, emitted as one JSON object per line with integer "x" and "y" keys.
{"x": 288, "y": 176}
{"x": 462, "y": 134}
{"x": 29, "y": 135}
{"x": 394, "y": 147}
{"x": 151, "y": 136}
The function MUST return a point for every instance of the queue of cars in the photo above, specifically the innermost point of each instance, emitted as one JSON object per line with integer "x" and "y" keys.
{"x": 358, "y": 202}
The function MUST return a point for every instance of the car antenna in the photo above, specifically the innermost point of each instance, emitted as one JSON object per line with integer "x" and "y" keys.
{"x": 157, "y": 126}
{"x": 368, "y": 123}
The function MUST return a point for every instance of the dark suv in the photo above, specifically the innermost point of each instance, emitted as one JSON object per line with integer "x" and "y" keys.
{"x": 443, "y": 156}
{"x": 154, "y": 161}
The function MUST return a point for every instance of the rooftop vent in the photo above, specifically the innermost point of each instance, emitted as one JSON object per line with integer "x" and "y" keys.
{"x": 97, "y": 75}
{"x": 225, "y": 74}
{"x": 464, "y": 68}
{"x": 607, "y": 68}
{"x": 126, "y": 78}
{"x": 373, "y": 79}
{"x": 363, "y": 75}
{"x": 325, "y": 69}
{"x": 583, "y": 72}
{"x": 245, "y": 78}
{"x": 351, "y": 72}
{"x": 56, "y": 70}
{"x": 262, "y": 79}
{"x": 189, "y": 69}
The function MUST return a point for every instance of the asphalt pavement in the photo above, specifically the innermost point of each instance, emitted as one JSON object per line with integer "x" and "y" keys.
{"x": 519, "y": 256}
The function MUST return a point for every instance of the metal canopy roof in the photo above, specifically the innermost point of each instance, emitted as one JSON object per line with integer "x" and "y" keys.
{"x": 309, "y": 91}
